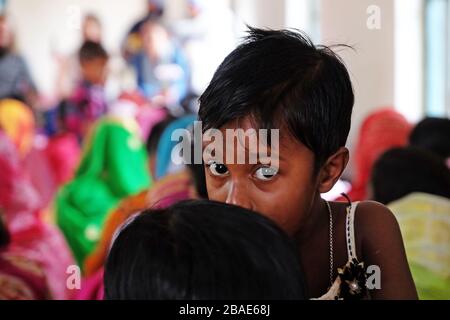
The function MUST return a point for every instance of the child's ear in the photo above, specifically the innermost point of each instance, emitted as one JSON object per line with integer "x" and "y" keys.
{"x": 332, "y": 169}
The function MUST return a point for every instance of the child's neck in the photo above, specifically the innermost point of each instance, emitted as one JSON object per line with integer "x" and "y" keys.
{"x": 317, "y": 218}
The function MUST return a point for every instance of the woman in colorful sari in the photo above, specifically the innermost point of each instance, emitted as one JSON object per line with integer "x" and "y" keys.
{"x": 113, "y": 166}
{"x": 415, "y": 185}
{"x": 20, "y": 277}
{"x": 31, "y": 237}
{"x": 187, "y": 183}
{"x": 380, "y": 131}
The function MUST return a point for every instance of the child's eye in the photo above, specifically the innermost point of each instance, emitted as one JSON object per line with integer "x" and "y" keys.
{"x": 265, "y": 173}
{"x": 217, "y": 169}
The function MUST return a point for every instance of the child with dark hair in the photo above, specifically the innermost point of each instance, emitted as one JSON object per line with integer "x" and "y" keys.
{"x": 415, "y": 184}
{"x": 432, "y": 134}
{"x": 280, "y": 80}
{"x": 202, "y": 250}
{"x": 401, "y": 171}
{"x": 87, "y": 102}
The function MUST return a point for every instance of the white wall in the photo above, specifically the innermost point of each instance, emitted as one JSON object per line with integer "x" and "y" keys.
{"x": 303, "y": 15}
{"x": 409, "y": 58}
{"x": 260, "y": 13}
{"x": 46, "y": 27}
{"x": 372, "y": 65}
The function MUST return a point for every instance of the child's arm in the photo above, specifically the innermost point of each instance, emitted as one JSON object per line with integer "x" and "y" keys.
{"x": 382, "y": 245}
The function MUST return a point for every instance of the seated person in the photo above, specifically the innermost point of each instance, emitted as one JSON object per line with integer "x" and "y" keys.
{"x": 113, "y": 166}
{"x": 15, "y": 79}
{"x": 20, "y": 278}
{"x": 22, "y": 205}
{"x": 381, "y": 130}
{"x": 433, "y": 134}
{"x": 162, "y": 70}
{"x": 202, "y": 250}
{"x": 87, "y": 102}
{"x": 189, "y": 183}
{"x": 415, "y": 185}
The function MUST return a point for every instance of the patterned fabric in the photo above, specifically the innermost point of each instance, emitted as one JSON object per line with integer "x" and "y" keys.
{"x": 424, "y": 220}
{"x": 21, "y": 278}
{"x": 85, "y": 106}
{"x": 350, "y": 283}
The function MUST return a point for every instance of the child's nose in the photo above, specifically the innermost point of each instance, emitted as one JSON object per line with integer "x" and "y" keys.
{"x": 238, "y": 196}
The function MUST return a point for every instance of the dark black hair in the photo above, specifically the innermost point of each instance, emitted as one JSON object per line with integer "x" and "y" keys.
{"x": 197, "y": 171}
{"x": 4, "y": 234}
{"x": 203, "y": 250}
{"x": 401, "y": 171}
{"x": 156, "y": 133}
{"x": 90, "y": 50}
{"x": 280, "y": 79}
{"x": 432, "y": 134}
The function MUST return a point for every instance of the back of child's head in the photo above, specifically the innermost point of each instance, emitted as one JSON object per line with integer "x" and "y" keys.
{"x": 91, "y": 50}
{"x": 280, "y": 79}
{"x": 432, "y": 134}
{"x": 401, "y": 171}
{"x": 202, "y": 250}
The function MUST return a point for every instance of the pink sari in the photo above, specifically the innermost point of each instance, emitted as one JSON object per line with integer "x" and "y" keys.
{"x": 30, "y": 236}
{"x": 21, "y": 278}
{"x": 63, "y": 153}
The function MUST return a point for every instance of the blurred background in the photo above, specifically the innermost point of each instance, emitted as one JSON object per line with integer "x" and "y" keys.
{"x": 400, "y": 60}
{"x": 87, "y": 86}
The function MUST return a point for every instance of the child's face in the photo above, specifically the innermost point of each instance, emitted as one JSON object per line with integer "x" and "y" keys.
{"x": 95, "y": 70}
{"x": 286, "y": 198}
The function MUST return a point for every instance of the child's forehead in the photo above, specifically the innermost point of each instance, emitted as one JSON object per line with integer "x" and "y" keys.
{"x": 249, "y": 124}
{"x": 251, "y": 130}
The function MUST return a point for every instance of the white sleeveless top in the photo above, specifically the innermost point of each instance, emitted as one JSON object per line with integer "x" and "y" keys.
{"x": 350, "y": 231}
{"x": 335, "y": 290}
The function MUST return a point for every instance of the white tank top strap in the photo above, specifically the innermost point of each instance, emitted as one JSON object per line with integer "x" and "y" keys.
{"x": 350, "y": 231}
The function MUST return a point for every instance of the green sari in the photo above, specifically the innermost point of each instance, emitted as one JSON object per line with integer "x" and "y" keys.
{"x": 113, "y": 166}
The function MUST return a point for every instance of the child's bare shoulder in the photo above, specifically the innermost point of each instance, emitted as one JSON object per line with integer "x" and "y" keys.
{"x": 375, "y": 222}
{"x": 374, "y": 212}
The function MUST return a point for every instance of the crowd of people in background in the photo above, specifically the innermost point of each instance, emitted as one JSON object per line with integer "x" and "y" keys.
{"x": 74, "y": 177}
